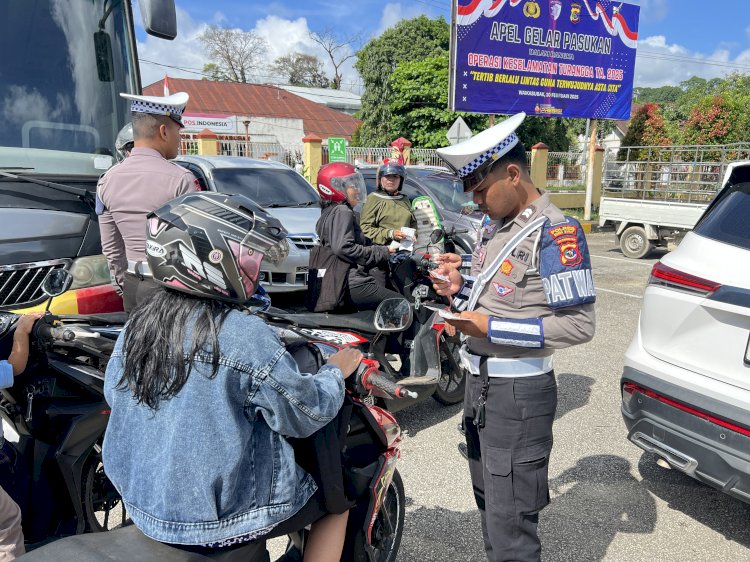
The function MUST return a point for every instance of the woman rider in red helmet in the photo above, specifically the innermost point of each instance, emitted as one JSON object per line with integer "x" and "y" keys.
{"x": 341, "y": 189}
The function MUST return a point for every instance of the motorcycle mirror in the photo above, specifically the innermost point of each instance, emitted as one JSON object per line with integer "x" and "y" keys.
{"x": 393, "y": 315}
{"x": 56, "y": 283}
{"x": 436, "y": 235}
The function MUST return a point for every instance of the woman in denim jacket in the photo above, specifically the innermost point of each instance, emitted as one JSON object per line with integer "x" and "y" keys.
{"x": 203, "y": 393}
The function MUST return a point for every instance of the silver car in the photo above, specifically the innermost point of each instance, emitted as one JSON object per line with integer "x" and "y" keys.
{"x": 282, "y": 192}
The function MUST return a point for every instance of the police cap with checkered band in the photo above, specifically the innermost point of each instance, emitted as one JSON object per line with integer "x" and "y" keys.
{"x": 472, "y": 159}
{"x": 171, "y": 106}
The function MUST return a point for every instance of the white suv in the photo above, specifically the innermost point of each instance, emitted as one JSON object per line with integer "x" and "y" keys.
{"x": 686, "y": 382}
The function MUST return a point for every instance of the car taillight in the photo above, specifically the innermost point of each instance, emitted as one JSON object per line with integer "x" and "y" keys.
{"x": 665, "y": 276}
{"x": 628, "y": 389}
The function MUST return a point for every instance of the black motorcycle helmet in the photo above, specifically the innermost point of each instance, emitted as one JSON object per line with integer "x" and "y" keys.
{"x": 388, "y": 169}
{"x": 211, "y": 245}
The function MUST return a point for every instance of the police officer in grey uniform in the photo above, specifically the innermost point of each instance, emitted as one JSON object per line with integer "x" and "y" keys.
{"x": 132, "y": 189}
{"x": 533, "y": 293}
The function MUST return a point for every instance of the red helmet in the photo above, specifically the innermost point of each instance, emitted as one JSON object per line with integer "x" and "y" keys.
{"x": 340, "y": 181}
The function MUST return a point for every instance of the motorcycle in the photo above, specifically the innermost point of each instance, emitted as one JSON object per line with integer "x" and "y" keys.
{"x": 426, "y": 349}
{"x": 58, "y": 412}
{"x": 374, "y": 489}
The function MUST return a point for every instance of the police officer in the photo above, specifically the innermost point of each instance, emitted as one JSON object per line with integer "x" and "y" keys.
{"x": 136, "y": 186}
{"x": 533, "y": 293}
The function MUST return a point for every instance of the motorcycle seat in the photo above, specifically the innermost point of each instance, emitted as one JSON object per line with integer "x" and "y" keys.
{"x": 360, "y": 321}
{"x": 102, "y": 319}
{"x": 129, "y": 544}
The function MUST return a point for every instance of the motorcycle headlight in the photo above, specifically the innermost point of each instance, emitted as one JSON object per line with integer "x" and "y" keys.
{"x": 89, "y": 271}
{"x": 6, "y": 321}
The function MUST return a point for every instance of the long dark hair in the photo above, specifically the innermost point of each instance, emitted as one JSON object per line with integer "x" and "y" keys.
{"x": 157, "y": 365}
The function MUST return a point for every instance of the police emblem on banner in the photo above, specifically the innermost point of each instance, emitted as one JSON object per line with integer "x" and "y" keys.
{"x": 531, "y": 9}
{"x": 555, "y": 9}
{"x": 575, "y": 13}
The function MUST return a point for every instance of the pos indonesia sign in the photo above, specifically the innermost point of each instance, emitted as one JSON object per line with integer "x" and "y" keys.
{"x": 550, "y": 58}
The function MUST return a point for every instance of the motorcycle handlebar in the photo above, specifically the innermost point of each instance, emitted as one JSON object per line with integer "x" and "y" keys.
{"x": 389, "y": 386}
{"x": 48, "y": 332}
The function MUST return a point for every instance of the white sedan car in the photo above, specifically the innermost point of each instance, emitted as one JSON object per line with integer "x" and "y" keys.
{"x": 686, "y": 382}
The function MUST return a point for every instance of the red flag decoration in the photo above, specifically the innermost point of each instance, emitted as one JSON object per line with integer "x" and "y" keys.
{"x": 166, "y": 85}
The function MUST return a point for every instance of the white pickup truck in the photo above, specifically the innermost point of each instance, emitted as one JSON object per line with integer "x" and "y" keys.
{"x": 642, "y": 224}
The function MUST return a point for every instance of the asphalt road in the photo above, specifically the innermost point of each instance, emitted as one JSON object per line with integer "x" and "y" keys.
{"x": 610, "y": 501}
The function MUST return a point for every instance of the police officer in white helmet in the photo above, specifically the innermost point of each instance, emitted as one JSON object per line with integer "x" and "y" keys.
{"x": 144, "y": 181}
{"x": 531, "y": 292}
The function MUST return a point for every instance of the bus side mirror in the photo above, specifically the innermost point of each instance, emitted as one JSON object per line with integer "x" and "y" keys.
{"x": 159, "y": 18}
{"x": 103, "y": 53}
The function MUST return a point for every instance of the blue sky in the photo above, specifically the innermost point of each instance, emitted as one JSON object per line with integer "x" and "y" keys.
{"x": 677, "y": 38}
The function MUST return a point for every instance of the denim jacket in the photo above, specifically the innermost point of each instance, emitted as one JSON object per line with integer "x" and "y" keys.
{"x": 212, "y": 463}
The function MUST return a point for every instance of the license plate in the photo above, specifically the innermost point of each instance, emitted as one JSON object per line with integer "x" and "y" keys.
{"x": 747, "y": 352}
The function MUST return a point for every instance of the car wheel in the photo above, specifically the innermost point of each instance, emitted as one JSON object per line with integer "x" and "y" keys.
{"x": 634, "y": 243}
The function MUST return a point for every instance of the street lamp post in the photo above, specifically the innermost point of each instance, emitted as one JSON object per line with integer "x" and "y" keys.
{"x": 246, "y": 122}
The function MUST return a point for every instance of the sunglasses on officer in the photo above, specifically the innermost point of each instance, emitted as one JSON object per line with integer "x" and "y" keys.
{"x": 477, "y": 177}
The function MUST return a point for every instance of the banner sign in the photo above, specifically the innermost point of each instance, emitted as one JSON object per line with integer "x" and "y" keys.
{"x": 550, "y": 58}
{"x": 196, "y": 122}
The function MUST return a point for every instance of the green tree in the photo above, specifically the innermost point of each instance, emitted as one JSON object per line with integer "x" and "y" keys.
{"x": 558, "y": 133}
{"x": 235, "y": 55}
{"x": 664, "y": 94}
{"x": 212, "y": 71}
{"x": 410, "y": 40}
{"x": 647, "y": 128}
{"x": 419, "y": 101}
{"x": 715, "y": 120}
{"x": 339, "y": 50}
{"x": 300, "y": 69}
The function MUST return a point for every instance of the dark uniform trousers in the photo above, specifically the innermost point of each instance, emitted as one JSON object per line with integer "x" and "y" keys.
{"x": 509, "y": 459}
{"x": 135, "y": 290}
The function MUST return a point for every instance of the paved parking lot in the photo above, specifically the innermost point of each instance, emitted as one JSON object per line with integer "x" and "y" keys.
{"x": 610, "y": 501}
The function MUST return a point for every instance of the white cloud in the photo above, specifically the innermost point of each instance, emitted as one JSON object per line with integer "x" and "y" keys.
{"x": 660, "y": 63}
{"x": 185, "y": 52}
{"x": 286, "y": 36}
{"x": 394, "y": 13}
{"x": 653, "y": 10}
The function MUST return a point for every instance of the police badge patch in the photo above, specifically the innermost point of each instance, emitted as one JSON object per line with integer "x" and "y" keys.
{"x": 566, "y": 238}
{"x": 565, "y": 266}
{"x": 527, "y": 214}
{"x": 502, "y": 290}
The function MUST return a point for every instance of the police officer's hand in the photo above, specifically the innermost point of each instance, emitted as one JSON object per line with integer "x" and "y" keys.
{"x": 449, "y": 260}
{"x": 398, "y": 235}
{"x": 471, "y": 324}
{"x": 450, "y": 286}
{"x": 348, "y": 359}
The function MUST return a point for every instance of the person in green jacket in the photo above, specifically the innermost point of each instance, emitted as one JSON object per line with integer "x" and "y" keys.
{"x": 387, "y": 210}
